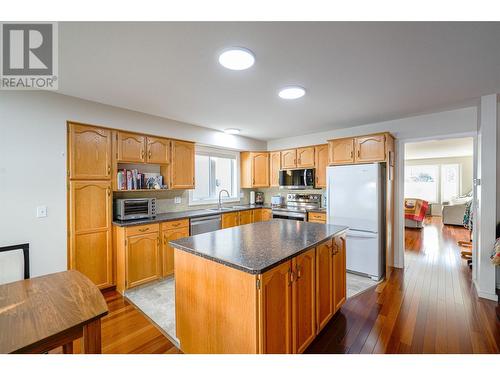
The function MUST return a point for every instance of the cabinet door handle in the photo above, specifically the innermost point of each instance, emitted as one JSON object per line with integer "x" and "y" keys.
{"x": 299, "y": 273}
{"x": 109, "y": 169}
{"x": 165, "y": 240}
{"x": 142, "y": 154}
{"x": 158, "y": 241}
{"x": 351, "y": 154}
{"x": 149, "y": 154}
{"x": 108, "y": 191}
{"x": 143, "y": 229}
{"x": 359, "y": 153}
{"x": 290, "y": 280}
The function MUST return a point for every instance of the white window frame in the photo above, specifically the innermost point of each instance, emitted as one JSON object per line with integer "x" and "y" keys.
{"x": 438, "y": 179}
{"x": 213, "y": 151}
{"x": 459, "y": 192}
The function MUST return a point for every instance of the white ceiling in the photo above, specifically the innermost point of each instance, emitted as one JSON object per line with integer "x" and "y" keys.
{"x": 446, "y": 148}
{"x": 354, "y": 73}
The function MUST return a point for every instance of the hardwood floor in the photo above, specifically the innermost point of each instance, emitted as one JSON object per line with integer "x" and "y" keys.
{"x": 125, "y": 330}
{"x": 429, "y": 307}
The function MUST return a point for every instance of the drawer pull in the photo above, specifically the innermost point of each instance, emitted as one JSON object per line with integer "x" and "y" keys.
{"x": 143, "y": 229}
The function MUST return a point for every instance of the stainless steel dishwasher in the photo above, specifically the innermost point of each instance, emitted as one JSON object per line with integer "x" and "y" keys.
{"x": 205, "y": 224}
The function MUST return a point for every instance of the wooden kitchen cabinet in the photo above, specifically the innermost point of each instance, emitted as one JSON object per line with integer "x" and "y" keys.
{"x": 274, "y": 168}
{"x": 363, "y": 149}
{"x": 267, "y": 214}
{"x": 171, "y": 231}
{"x": 341, "y": 151}
{"x": 289, "y": 159}
{"x": 230, "y": 219}
{"x": 131, "y": 147}
{"x": 339, "y": 272}
{"x": 370, "y": 149}
{"x": 320, "y": 163}
{"x": 303, "y": 300}
{"x": 138, "y": 255}
{"x": 254, "y": 169}
{"x": 275, "y": 301}
{"x": 324, "y": 284}
{"x": 246, "y": 217}
{"x": 182, "y": 165}
{"x": 158, "y": 150}
{"x": 316, "y": 217}
{"x": 90, "y": 239}
{"x": 89, "y": 152}
{"x": 305, "y": 157}
{"x": 257, "y": 215}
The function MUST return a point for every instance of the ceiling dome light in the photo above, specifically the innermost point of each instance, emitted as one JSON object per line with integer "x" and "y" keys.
{"x": 292, "y": 92}
{"x": 232, "y": 131}
{"x": 237, "y": 58}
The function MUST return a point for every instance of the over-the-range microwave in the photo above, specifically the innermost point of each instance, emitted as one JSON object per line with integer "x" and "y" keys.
{"x": 135, "y": 208}
{"x": 295, "y": 179}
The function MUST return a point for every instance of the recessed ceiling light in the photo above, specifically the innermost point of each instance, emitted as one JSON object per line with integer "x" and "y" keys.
{"x": 232, "y": 131}
{"x": 292, "y": 92}
{"x": 237, "y": 58}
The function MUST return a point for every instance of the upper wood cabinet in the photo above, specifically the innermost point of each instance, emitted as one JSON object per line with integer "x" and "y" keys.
{"x": 320, "y": 163}
{"x": 341, "y": 151}
{"x": 289, "y": 159}
{"x": 254, "y": 169}
{"x": 370, "y": 148}
{"x": 363, "y": 149}
{"x": 275, "y": 302}
{"x": 305, "y": 157}
{"x": 303, "y": 301}
{"x": 90, "y": 240}
{"x": 274, "y": 168}
{"x": 158, "y": 150}
{"x": 89, "y": 152}
{"x": 131, "y": 147}
{"x": 182, "y": 166}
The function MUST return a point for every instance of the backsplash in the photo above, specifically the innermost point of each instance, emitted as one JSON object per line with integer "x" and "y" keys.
{"x": 269, "y": 192}
{"x": 165, "y": 200}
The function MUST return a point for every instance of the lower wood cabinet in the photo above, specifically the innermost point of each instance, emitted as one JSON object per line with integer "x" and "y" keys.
{"x": 316, "y": 217}
{"x": 267, "y": 214}
{"x": 246, "y": 217}
{"x": 138, "y": 257}
{"x": 171, "y": 230}
{"x": 324, "y": 284}
{"x": 230, "y": 219}
{"x": 90, "y": 231}
{"x": 339, "y": 271}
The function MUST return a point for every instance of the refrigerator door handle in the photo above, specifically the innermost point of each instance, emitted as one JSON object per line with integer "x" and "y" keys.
{"x": 359, "y": 234}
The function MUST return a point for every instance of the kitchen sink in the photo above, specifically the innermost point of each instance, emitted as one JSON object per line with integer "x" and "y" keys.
{"x": 220, "y": 210}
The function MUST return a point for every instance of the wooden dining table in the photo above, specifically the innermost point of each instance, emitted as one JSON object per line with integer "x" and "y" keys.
{"x": 46, "y": 312}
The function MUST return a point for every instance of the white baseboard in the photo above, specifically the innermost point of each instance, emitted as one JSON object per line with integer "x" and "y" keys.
{"x": 488, "y": 295}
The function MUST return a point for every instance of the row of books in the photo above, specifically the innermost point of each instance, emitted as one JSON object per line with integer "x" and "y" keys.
{"x": 132, "y": 179}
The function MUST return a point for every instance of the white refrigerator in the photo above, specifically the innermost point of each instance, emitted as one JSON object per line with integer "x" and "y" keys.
{"x": 355, "y": 198}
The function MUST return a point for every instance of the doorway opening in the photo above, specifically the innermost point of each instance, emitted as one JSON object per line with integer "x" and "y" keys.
{"x": 438, "y": 196}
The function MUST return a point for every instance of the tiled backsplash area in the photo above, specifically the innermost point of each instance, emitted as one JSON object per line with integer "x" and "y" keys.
{"x": 165, "y": 200}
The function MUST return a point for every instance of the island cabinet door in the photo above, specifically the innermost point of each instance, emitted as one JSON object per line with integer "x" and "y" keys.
{"x": 303, "y": 300}
{"x": 339, "y": 272}
{"x": 275, "y": 302}
{"x": 143, "y": 259}
{"x": 324, "y": 284}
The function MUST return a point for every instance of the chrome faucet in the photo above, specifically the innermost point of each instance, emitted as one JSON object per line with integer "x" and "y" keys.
{"x": 220, "y": 202}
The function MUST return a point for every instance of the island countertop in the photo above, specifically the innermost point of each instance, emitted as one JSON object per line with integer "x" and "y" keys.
{"x": 258, "y": 247}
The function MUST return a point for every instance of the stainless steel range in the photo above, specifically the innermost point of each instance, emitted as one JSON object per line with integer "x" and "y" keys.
{"x": 296, "y": 206}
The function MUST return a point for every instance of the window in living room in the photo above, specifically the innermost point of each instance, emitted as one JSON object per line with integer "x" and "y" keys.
{"x": 421, "y": 181}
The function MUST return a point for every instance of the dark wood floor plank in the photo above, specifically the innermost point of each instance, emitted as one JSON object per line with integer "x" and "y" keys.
{"x": 429, "y": 307}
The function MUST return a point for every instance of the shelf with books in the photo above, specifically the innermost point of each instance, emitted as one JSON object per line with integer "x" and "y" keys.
{"x": 139, "y": 190}
{"x": 140, "y": 177}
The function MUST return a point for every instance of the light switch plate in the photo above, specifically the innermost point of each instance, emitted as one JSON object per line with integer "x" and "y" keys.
{"x": 177, "y": 200}
{"x": 41, "y": 211}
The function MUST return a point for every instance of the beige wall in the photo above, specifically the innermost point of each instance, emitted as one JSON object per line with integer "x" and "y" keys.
{"x": 466, "y": 163}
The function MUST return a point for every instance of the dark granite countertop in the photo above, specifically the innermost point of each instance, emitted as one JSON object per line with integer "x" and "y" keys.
{"x": 258, "y": 247}
{"x": 185, "y": 215}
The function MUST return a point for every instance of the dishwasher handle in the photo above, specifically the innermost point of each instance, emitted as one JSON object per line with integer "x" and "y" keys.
{"x": 201, "y": 220}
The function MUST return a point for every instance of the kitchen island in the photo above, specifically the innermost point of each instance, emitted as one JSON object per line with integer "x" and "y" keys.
{"x": 267, "y": 287}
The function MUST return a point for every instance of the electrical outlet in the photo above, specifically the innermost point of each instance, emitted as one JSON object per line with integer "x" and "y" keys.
{"x": 177, "y": 200}
{"x": 41, "y": 211}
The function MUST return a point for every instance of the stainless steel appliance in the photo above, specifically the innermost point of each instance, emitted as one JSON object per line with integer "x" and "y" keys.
{"x": 134, "y": 208}
{"x": 297, "y": 206}
{"x": 205, "y": 224}
{"x": 297, "y": 179}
